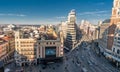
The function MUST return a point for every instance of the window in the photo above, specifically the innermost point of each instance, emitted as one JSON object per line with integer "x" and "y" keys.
{"x": 113, "y": 49}
{"x": 119, "y": 38}
{"x": 119, "y": 42}
{"x": 16, "y": 37}
{"x": 118, "y": 51}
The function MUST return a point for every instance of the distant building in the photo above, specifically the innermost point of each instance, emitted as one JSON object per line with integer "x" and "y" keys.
{"x": 88, "y": 29}
{"x": 9, "y": 28}
{"x": 84, "y": 26}
{"x": 63, "y": 27}
{"x": 103, "y": 35}
{"x": 71, "y": 31}
{"x": 42, "y": 29}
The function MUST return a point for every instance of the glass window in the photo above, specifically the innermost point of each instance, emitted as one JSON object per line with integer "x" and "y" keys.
{"x": 118, "y": 51}
{"x": 113, "y": 49}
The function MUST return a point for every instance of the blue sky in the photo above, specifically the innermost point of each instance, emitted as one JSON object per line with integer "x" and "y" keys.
{"x": 53, "y": 11}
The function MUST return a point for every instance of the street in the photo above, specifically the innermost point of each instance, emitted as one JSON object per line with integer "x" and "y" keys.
{"x": 82, "y": 59}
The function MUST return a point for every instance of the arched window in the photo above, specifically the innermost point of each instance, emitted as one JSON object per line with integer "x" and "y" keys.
{"x": 119, "y": 11}
{"x": 118, "y": 51}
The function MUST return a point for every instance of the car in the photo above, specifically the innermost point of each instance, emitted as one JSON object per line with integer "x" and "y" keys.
{"x": 43, "y": 66}
{"x": 84, "y": 69}
{"x": 89, "y": 63}
{"x": 78, "y": 63}
{"x": 82, "y": 56}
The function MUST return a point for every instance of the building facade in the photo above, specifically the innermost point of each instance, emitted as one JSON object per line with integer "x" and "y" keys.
{"x": 25, "y": 51}
{"x": 103, "y": 36}
{"x": 3, "y": 50}
{"x": 49, "y": 50}
{"x": 63, "y": 27}
{"x": 33, "y": 47}
{"x": 112, "y": 51}
{"x": 50, "y": 47}
{"x": 115, "y": 19}
{"x": 71, "y": 31}
{"x": 11, "y": 47}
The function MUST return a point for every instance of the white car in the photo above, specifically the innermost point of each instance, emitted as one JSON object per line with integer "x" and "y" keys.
{"x": 77, "y": 63}
{"x": 84, "y": 69}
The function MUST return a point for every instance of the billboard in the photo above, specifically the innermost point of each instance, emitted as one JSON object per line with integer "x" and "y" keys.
{"x": 50, "y": 52}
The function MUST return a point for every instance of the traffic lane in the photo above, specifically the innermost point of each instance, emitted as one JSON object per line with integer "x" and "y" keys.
{"x": 91, "y": 65}
{"x": 55, "y": 67}
{"x": 100, "y": 67}
{"x": 105, "y": 64}
{"x": 102, "y": 63}
{"x": 84, "y": 61}
{"x": 95, "y": 65}
{"x": 72, "y": 63}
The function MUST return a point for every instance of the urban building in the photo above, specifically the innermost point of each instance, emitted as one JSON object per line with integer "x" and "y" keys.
{"x": 11, "y": 47}
{"x": 87, "y": 28}
{"x": 116, "y": 44}
{"x": 9, "y": 27}
{"x": 84, "y": 26}
{"x": 115, "y": 19}
{"x": 112, "y": 51}
{"x": 71, "y": 31}
{"x": 63, "y": 27}
{"x": 103, "y": 34}
{"x": 42, "y": 29}
{"x": 50, "y": 47}
{"x": 36, "y": 46}
{"x": 25, "y": 51}
{"x": 3, "y": 50}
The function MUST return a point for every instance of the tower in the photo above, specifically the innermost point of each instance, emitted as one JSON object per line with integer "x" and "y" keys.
{"x": 71, "y": 31}
{"x": 115, "y": 18}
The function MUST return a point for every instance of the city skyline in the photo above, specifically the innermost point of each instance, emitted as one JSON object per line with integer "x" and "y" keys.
{"x": 52, "y": 11}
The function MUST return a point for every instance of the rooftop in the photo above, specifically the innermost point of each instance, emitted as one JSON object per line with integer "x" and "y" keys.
{"x": 48, "y": 34}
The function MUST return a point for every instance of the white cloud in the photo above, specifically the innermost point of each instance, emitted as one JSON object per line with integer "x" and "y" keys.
{"x": 93, "y": 12}
{"x": 95, "y": 16}
{"x": 21, "y": 15}
{"x": 61, "y": 17}
{"x": 10, "y": 14}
